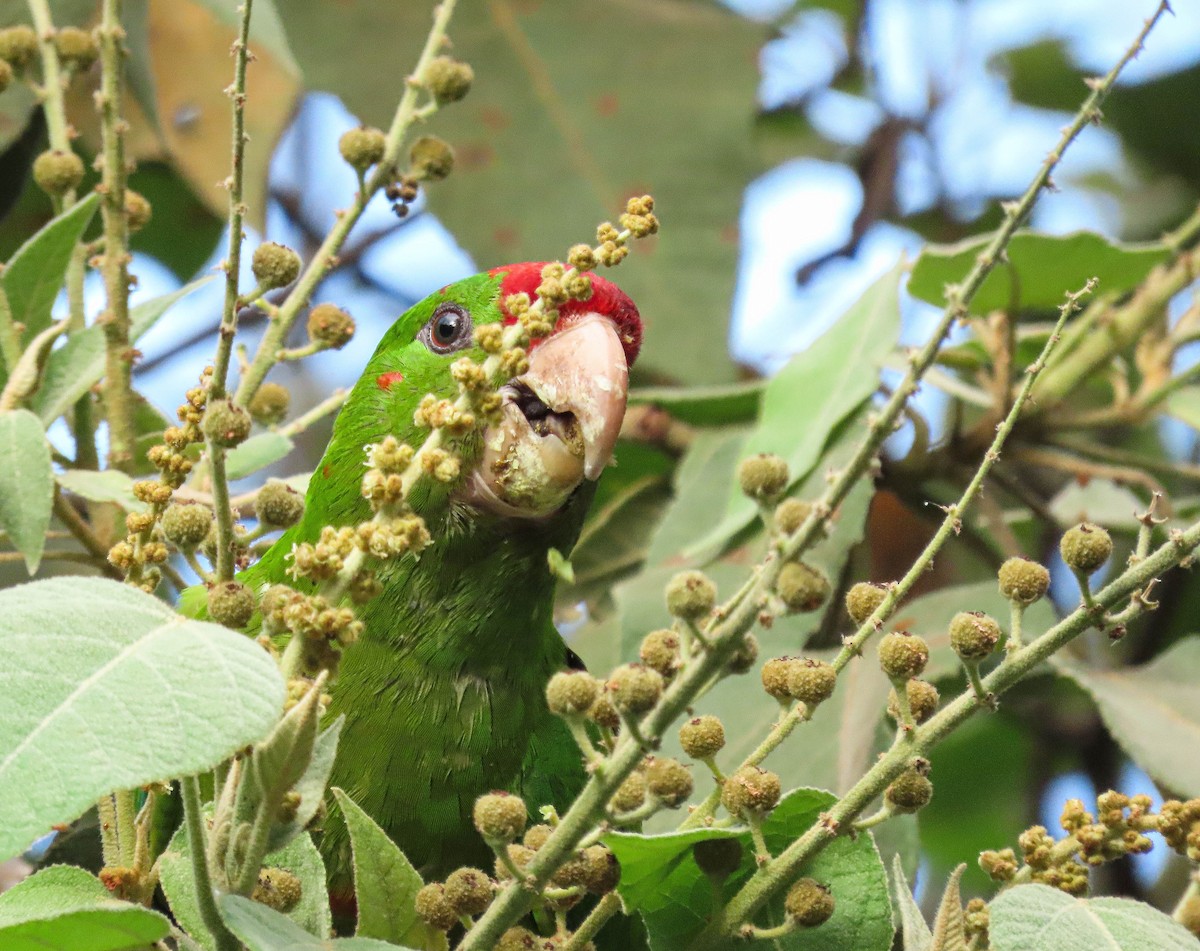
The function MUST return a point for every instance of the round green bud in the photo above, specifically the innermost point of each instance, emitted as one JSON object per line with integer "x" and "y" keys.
{"x": 469, "y": 891}
{"x": 811, "y": 681}
{"x": 230, "y": 603}
{"x": 751, "y": 790}
{"x": 330, "y": 326}
{"x": 702, "y": 737}
{"x": 790, "y": 514}
{"x": 57, "y": 172}
{"x": 603, "y": 871}
{"x": 571, "y": 693}
{"x": 270, "y": 404}
{"x": 500, "y": 816}
{"x": 448, "y": 79}
{"x": 635, "y": 688}
{"x": 18, "y": 46}
{"x": 744, "y": 656}
{"x": 603, "y": 713}
{"x": 668, "y": 780}
{"x": 660, "y": 651}
{"x": 6, "y": 75}
{"x": 922, "y": 700}
{"x": 776, "y": 677}
{"x": 903, "y": 655}
{"x": 763, "y": 477}
{"x": 363, "y": 147}
{"x": 1023, "y": 580}
{"x": 863, "y": 599}
{"x": 1086, "y": 547}
{"x": 519, "y": 939}
{"x": 631, "y": 794}
{"x": 910, "y": 792}
{"x": 431, "y": 158}
{"x": 571, "y": 873}
{"x": 691, "y": 596}
{"x": 434, "y": 908}
{"x": 809, "y": 903}
{"x": 536, "y": 836}
{"x": 137, "y": 210}
{"x": 519, "y": 855}
{"x": 718, "y": 857}
{"x": 801, "y": 587}
{"x": 973, "y": 635}
{"x": 278, "y": 505}
{"x": 277, "y": 888}
{"x": 76, "y": 47}
{"x": 274, "y": 265}
{"x": 226, "y": 423}
{"x": 186, "y": 524}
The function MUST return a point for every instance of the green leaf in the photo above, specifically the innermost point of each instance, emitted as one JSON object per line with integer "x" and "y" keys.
{"x": 660, "y": 879}
{"x": 256, "y": 453}
{"x": 26, "y": 484}
{"x": 385, "y": 883}
{"x": 311, "y": 785}
{"x": 111, "y": 485}
{"x": 719, "y": 405}
{"x": 1101, "y": 501}
{"x": 1039, "y": 269}
{"x": 63, "y": 908}
{"x": 1184, "y": 404}
{"x": 302, "y": 859}
{"x": 1041, "y": 918}
{"x": 75, "y": 368}
{"x": 916, "y": 933}
{"x": 1153, "y": 711}
{"x": 75, "y": 651}
{"x": 264, "y": 929}
{"x": 949, "y": 927}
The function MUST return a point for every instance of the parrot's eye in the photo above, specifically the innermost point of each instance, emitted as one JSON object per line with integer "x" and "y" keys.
{"x": 449, "y": 329}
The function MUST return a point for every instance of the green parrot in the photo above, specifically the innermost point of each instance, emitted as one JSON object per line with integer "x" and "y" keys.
{"x": 444, "y": 693}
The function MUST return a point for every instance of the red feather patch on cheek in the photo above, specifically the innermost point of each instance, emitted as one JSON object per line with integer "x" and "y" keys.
{"x": 385, "y": 380}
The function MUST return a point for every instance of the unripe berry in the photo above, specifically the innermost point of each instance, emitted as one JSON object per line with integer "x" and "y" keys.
{"x": 186, "y": 525}
{"x": 691, "y": 596}
{"x": 76, "y": 47}
{"x": 744, "y": 656}
{"x": 362, "y": 147}
{"x": 520, "y": 857}
{"x": 922, "y": 700}
{"x": 431, "y": 158}
{"x": 630, "y": 794}
{"x": 274, "y": 265}
{"x": 226, "y": 423}
{"x": 776, "y": 677}
{"x": 18, "y": 46}
{"x": 973, "y": 635}
{"x": 500, "y": 816}
{"x": 270, "y": 404}
{"x": 448, "y": 79}
{"x": 137, "y": 210}
{"x": 603, "y": 713}
{"x": 702, "y": 737}
{"x": 718, "y": 857}
{"x": 519, "y": 939}
{"x": 635, "y": 688}
{"x": 790, "y": 515}
{"x": 862, "y": 599}
{"x": 278, "y": 505}
{"x": 330, "y": 326}
{"x": 277, "y": 888}
{"x": 809, "y": 903}
{"x": 910, "y": 792}
{"x": 660, "y": 651}
{"x": 903, "y": 655}
{"x": 751, "y": 790}
{"x": 801, "y": 587}
{"x": 469, "y": 891}
{"x": 763, "y": 477}
{"x": 1023, "y": 580}
{"x": 811, "y": 681}
{"x": 535, "y": 836}
{"x": 230, "y": 603}
{"x": 434, "y": 909}
{"x": 57, "y": 172}
{"x": 668, "y": 780}
{"x": 571, "y": 693}
{"x": 1086, "y": 547}
{"x": 602, "y": 870}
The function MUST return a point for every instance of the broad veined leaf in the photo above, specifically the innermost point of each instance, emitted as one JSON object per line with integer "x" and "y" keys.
{"x": 264, "y": 929}
{"x": 110, "y": 485}
{"x": 26, "y": 484}
{"x": 1101, "y": 501}
{"x": 719, "y": 405}
{"x": 913, "y": 929}
{"x": 257, "y": 452}
{"x": 311, "y": 785}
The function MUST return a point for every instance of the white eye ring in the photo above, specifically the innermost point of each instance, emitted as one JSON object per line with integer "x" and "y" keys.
{"x": 448, "y": 330}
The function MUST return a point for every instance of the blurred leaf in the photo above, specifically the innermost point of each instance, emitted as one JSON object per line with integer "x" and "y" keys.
{"x": 264, "y": 929}
{"x": 1041, "y": 918}
{"x": 135, "y": 18}
{"x": 62, "y": 908}
{"x": 60, "y": 702}
{"x": 26, "y": 484}
{"x": 111, "y": 485}
{"x": 183, "y": 232}
{"x": 1184, "y": 404}
{"x": 661, "y": 880}
{"x": 1153, "y": 711}
{"x": 310, "y": 786}
{"x": 257, "y": 452}
{"x": 913, "y": 929}
{"x": 1101, "y": 501}
{"x": 720, "y": 405}
{"x": 16, "y": 107}
{"x": 266, "y": 28}
{"x": 1040, "y": 270}
{"x": 614, "y": 101}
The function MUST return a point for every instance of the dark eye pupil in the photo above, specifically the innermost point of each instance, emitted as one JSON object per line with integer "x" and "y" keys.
{"x": 445, "y": 328}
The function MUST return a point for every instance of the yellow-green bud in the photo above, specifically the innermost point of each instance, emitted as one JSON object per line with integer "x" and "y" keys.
{"x": 57, "y": 172}
{"x": 790, "y": 515}
{"x": 581, "y": 257}
{"x": 660, "y": 651}
{"x": 1001, "y": 865}
{"x": 186, "y": 524}
{"x": 434, "y": 908}
{"x": 362, "y": 147}
{"x": 922, "y": 700}
{"x": 1023, "y": 580}
{"x": 635, "y": 688}
{"x": 278, "y": 505}
{"x": 603, "y": 713}
{"x": 903, "y": 655}
{"x": 668, "y": 780}
{"x": 809, "y": 903}
{"x": 277, "y": 888}
{"x": 763, "y": 477}
{"x": 862, "y": 599}
{"x": 571, "y": 693}
{"x": 18, "y": 46}
{"x": 469, "y": 891}
{"x": 744, "y": 656}
{"x": 718, "y": 857}
{"x": 691, "y": 595}
{"x": 230, "y": 603}
{"x": 801, "y": 587}
{"x": 274, "y": 265}
{"x": 431, "y": 158}
{"x": 1086, "y": 547}
{"x": 776, "y": 677}
{"x": 602, "y": 870}
{"x": 330, "y": 326}
{"x": 630, "y": 794}
{"x": 519, "y": 939}
{"x": 811, "y": 681}
{"x": 500, "y": 816}
{"x": 973, "y": 635}
{"x": 571, "y": 873}
{"x": 751, "y": 790}
{"x": 137, "y": 210}
{"x": 536, "y": 836}
{"x": 448, "y": 79}
{"x": 270, "y": 404}
{"x": 702, "y": 737}
{"x": 76, "y": 47}
{"x": 226, "y": 423}
{"x": 910, "y": 792}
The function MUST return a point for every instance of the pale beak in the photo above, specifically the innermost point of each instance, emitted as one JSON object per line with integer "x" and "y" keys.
{"x": 560, "y": 424}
